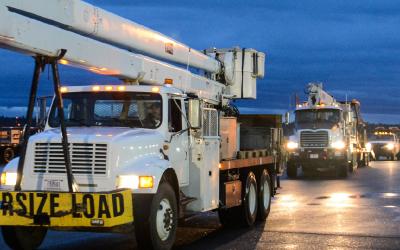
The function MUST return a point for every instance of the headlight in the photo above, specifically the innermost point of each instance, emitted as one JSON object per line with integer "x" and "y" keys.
{"x": 8, "y": 179}
{"x": 390, "y": 146}
{"x": 338, "y": 145}
{"x": 135, "y": 182}
{"x": 368, "y": 146}
{"x": 292, "y": 145}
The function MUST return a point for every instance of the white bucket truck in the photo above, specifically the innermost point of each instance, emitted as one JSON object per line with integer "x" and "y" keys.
{"x": 139, "y": 155}
{"x": 328, "y": 135}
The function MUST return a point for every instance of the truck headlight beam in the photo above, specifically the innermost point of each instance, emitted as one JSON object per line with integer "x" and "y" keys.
{"x": 8, "y": 179}
{"x": 389, "y": 146}
{"x": 135, "y": 181}
{"x": 338, "y": 145}
{"x": 292, "y": 145}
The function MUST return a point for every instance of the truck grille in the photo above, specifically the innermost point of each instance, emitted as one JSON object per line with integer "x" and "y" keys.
{"x": 86, "y": 158}
{"x": 312, "y": 139}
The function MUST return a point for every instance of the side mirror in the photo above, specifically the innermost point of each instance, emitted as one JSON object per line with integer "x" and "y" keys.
{"x": 287, "y": 118}
{"x": 194, "y": 113}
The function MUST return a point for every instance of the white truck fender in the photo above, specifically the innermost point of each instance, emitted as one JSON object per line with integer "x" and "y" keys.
{"x": 147, "y": 166}
{"x": 12, "y": 166}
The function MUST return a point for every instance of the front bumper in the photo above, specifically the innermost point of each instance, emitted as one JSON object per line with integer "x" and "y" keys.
{"x": 315, "y": 158}
{"x": 61, "y": 209}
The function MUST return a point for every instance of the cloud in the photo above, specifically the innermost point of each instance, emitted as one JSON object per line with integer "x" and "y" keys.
{"x": 351, "y": 46}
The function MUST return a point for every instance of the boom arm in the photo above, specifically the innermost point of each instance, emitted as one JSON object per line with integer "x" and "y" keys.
{"x": 103, "y": 43}
{"x": 88, "y": 20}
{"x": 317, "y": 96}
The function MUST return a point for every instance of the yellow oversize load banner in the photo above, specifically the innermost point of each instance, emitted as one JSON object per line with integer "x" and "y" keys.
{"x": 55, "y": 209}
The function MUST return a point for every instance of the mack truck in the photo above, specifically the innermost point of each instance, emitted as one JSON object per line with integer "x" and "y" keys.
{"x": 138, "y": 156}
{"x": 328, "y": 135}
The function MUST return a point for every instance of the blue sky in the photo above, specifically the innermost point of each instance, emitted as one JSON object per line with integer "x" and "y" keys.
{"x": 351, "y": 46}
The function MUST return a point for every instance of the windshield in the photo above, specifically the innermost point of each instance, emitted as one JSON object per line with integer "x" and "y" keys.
{"x": 381, "y": 138}
{"x": 326, "y": 116}
{"x": 110, "y": 109}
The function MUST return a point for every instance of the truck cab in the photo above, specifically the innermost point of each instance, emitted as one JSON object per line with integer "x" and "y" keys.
{"x": 113, "y": 131}
{"x": 318, "y": 142}
{"x": 384, "y": 144}
{"x": 328, "y": 135}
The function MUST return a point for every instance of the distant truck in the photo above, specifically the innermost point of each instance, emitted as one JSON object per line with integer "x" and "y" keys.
{"x": 384, "y": 143}
{"x": 9, "y": 143}
{"x": 328, "y": 135}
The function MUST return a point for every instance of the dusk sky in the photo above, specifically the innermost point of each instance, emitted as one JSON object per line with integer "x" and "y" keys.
{"x": 353, "y": 47}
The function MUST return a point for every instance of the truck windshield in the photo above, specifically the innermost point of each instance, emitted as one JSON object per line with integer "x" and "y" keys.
{"x": 381, "y": 138}
{"x": 109, "y": 109}
{"x": 325, "y": 116}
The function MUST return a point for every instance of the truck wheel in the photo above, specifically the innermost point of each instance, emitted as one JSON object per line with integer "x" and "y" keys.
{"x": 245, "y": 214}
{"x": 157, "y": 228}
{"x": 8, "y": 155}
{"x": 250, "y": 201}
{"x": 264, "y": 196}
{"x": 291, "y": 171}
{"x": 23, "y": 238}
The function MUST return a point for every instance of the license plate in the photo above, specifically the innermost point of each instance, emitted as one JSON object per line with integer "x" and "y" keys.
{"x": 313, "y": 156}
{"x": 53, "y": 185}
{"x": 56, "y": 209}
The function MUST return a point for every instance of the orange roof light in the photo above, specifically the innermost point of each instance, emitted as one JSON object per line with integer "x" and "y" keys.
{"x": 63, "y": 89}
{"x": 121, "y": 88}
{"x": 96, "y": 88}
{"x": 109, "y": 88}
{"x": 64, "y": 62}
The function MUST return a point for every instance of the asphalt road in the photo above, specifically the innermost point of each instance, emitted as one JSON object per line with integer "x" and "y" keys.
{"x": 362, "y": 211}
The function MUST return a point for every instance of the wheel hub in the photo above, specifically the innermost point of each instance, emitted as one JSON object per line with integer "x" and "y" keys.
{"x": 164, "y": 219}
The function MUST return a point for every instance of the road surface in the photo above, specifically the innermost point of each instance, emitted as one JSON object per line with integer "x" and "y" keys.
{"x": 362, "y": 211}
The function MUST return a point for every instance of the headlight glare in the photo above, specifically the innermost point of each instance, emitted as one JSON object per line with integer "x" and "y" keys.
{"x": 128, "y": 181}
{"x": 390, "y": 146}
{"x": 8, "y": 179}
{"x": 292, "y": 145}
{"x": 338, "y": 145}
{"x": 135, "y": 182}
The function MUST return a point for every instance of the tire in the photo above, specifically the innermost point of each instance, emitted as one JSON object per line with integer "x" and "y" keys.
{"x": 291, "y": 171}
{"x": 246, "y": 214}
{"x": 156, "y": 219}
{"x": 23, "y": 238}
{"x": 264, "y": 196}
{"x": 250, "y": 201}
{"x": 8, "y": 154}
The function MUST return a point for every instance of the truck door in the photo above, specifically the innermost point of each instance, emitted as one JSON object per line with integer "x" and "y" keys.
{"x": 179, "y": 146}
